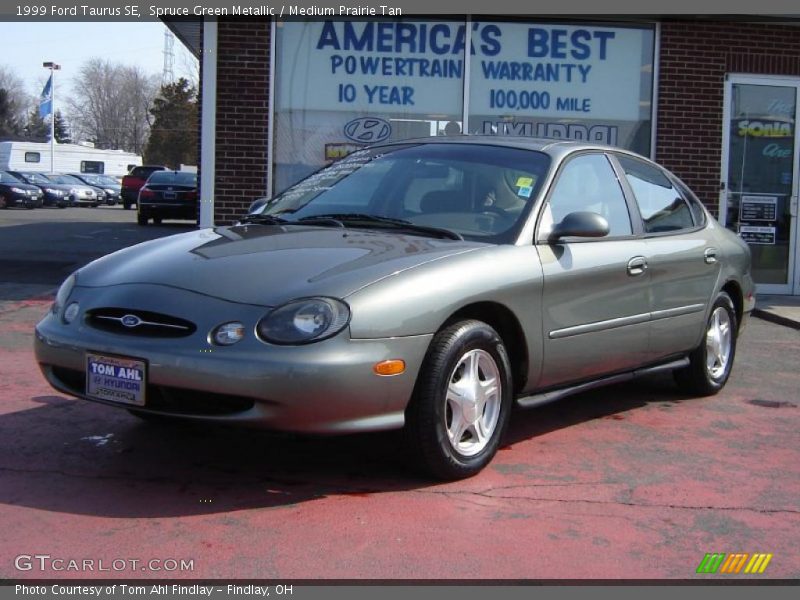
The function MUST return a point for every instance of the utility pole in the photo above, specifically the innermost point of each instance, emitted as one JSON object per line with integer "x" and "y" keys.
{"x": 53, "y": 68}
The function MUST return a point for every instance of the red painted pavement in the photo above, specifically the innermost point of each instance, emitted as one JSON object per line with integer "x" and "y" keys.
{"x": 632, "y": 481}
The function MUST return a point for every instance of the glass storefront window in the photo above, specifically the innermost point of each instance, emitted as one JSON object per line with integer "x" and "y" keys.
{"x": 342, "y": 85}
{"x": 590, "y": 82}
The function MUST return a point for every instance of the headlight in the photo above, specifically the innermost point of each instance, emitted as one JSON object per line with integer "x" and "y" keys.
{"x": 304, "y": 321}
{"x": 71, "y": 312}
{"x": 110, "y": 192}
{"x": 63, "y": 294}
{"x": 17, "y": 190}
{"x": 54, "y": 192}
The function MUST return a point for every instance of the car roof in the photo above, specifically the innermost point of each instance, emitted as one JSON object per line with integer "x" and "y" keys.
{"x": 552, "y": 146}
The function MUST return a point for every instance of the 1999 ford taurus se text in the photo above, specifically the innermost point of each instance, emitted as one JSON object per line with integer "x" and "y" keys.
{"x": 426, "y": 284}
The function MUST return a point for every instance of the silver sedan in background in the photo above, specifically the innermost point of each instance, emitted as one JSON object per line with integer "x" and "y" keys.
{"x": 424, "y": 285}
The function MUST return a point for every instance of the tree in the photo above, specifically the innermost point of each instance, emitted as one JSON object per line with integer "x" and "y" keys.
{"x": 110, "y": 103}
{"x": 173, "y": 136}
{"x": 36, "y": 128}
{"x": 9, "y": 125}
{"x": 61, "y": 129}
{"x": 15, "y": 102}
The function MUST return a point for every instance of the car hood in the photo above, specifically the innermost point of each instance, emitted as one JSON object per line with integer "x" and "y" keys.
{"x": 54, "y": 186}
{"x": 268, "y": 265}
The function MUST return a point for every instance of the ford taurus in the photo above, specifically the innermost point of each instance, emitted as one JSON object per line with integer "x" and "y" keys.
{"x": 426, "y": 285}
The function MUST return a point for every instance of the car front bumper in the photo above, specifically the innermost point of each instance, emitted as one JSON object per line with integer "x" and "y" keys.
{"x": 325, "y": 387}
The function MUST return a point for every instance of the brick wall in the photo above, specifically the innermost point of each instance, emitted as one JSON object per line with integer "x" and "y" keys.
{"x": 695, "y": 56}
{"x": 242, "y": 116}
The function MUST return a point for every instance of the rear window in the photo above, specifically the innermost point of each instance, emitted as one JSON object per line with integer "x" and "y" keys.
{"x": 178, "y": 178}
{"x": 662, "y": 207}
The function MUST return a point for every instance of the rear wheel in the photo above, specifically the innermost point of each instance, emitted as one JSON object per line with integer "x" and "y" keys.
{"x": 156, "y": 220}
{"x": 711, "y": 362}
{"x": 461, "y": 402}
{"x": 141, "y": 219}
{"x": 127, "y": 205}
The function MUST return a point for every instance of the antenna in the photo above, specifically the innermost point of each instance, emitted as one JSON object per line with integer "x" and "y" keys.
{"x": 168, "y": 73}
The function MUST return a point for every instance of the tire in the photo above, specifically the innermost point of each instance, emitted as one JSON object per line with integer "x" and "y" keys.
{"x": 430, "y": 437}
{"x": 156, "y": 220}
{"x": 711, "y": 362}
{"x": 3, "y": 203}
{"x": 141, "y": 219}
{"x": 127, "y": 205}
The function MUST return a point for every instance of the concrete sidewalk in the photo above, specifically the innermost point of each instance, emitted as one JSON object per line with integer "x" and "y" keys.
{"x": 783, "y": 310}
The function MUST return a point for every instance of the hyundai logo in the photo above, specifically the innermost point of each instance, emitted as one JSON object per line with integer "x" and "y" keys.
{"x": 131, "y": 321}
{"x": 368, "y": 129}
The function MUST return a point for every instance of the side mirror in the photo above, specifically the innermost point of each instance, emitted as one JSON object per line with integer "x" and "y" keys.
{"x": 579, "y": 224}
{"x": 257, "y": 204}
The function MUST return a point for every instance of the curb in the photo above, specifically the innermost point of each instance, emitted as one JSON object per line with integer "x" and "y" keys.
{"x": 777, "y": 319}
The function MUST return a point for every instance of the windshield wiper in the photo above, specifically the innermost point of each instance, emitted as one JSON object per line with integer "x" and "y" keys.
{"x": 342, "y": 218}
{"x": 263, "y": 219}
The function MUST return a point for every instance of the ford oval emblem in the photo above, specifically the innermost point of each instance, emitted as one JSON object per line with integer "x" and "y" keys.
{"x": 368, "y": 130}
{"x": 131, "y": 321}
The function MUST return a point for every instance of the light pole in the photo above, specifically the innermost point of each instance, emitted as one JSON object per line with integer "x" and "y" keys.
{"x": 53, "y": 68}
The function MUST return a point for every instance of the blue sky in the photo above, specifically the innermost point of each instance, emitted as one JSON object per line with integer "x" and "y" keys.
{"x": 25, "y": 46}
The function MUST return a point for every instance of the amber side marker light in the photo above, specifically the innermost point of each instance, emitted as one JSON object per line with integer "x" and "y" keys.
{"x": 394, "y": 366}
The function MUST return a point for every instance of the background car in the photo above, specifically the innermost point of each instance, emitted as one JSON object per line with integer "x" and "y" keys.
{"x": 167, "y": 195}
{"x": 109, "y": 185}
{"x": 426, "y": 285}
{"x": 54, "y": 194}
{"x": 133, "y": 182}
{"x": 15, "y": 192}
{"x": 81, "y": 193}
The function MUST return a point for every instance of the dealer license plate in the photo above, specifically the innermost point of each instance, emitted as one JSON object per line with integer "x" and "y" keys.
{"x": 116, "y": 379}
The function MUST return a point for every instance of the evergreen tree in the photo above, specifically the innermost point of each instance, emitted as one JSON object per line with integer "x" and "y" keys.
{"x": 173, "y": 135}
{"x": 37, "y": 129}
{"x": 62, "y": 131}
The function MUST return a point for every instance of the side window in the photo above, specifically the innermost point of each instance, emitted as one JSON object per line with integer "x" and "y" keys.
{"x": 698, "y": 214}
{"x": 33, "y": 157}
{"x": 661, "y": 205}
{"x": 588, "y": 183}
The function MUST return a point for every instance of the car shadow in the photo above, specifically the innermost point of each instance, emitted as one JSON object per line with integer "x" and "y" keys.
{"x": 76, "y": 457}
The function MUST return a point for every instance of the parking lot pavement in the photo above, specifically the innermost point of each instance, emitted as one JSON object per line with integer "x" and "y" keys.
{"x": 39, "y": 248}
{"x": 631, "y": 481}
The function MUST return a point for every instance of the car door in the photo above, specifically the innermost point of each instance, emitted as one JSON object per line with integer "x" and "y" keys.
{"x": 596, "y": 291}
{"x": 681, "y": 255}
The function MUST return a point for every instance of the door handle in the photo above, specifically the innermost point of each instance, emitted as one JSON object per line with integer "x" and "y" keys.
{"x": 710, "y": 256}
{"x": 637, "y": 266}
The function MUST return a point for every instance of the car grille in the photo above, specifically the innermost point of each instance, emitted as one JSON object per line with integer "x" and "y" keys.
{"x": 165, "y": 399}
{"x": 139, "y": 323}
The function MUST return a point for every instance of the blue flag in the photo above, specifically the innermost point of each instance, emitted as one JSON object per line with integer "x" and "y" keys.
{"x": 46, "y": 99}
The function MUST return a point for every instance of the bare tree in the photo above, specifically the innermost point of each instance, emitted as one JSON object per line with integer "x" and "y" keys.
{"x": 16, "y": 101}
{"x": 109, "y": 105}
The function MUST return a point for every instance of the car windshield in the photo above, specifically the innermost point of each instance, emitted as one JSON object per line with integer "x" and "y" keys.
{"x": 37, "y": 178}
{"x": 481, "y": 192}
{"x": 173, "y": 177}
{"x": 102, "y": 179}
{"x": 66, "y": 179}
{"x": 8, "y": 178}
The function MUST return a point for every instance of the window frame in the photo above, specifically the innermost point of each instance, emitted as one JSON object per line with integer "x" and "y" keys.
{"x": 636, "y": 224}
{"x": 102, "y": 167}
{"x": 680, "y": 189}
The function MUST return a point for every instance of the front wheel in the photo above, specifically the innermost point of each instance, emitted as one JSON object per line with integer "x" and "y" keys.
{"x": 711, "y": 362}
{"x": 461, "y": 403}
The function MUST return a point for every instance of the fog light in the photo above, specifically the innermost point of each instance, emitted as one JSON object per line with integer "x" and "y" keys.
{"x": 386, "y": 368}
{"x": 71, "y": 312}
{"x": 228, "y": 333}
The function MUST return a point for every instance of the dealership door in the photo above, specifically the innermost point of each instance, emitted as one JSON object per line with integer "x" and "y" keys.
{"x": 759, "y": 186}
